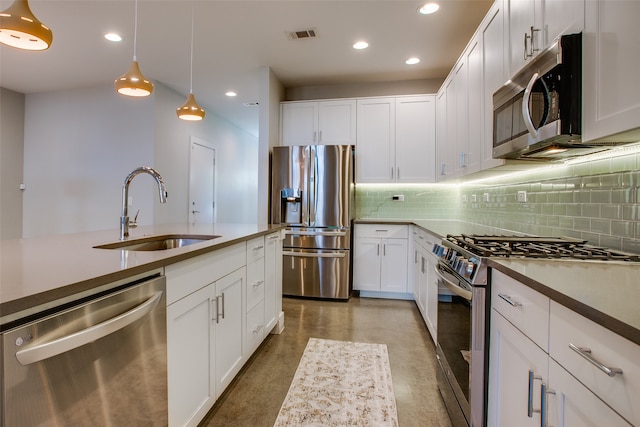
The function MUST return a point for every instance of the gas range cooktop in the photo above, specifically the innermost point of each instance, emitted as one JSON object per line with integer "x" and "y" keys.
{"x": 466, "y": 255}
{"x": 536, "y": 247}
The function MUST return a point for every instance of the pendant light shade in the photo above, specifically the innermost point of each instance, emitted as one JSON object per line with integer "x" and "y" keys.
{"x": 190, "y": 110}
{"x": 20, "y": 28}
{"x": 133, "y": 83}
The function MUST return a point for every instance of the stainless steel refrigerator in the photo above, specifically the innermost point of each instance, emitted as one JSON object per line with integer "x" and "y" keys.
{"x": 312, "y": 191}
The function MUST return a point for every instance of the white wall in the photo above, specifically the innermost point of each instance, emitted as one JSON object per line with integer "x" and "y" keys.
{"x": 81, "y": 144}
{"x": 11, "y": 163}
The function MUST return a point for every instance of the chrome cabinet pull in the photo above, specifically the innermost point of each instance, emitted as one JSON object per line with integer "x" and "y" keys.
{"x": 526, "y": 54}
{"x": 384, "y": 249}
{"x": 223, "y": 305}
{"x": 257, "y": 248}
{"x": 257, "y": 329}
{"x": 530, "y": 409}
{"x": 511, "y": 302}
{"x": 391, "y": 172}
{"x": 378, "y": 251}
{"x": 544, "y": 413}
{"x": 398, "y": 173}
{"x": 586, "y": 353}
{"x": 258, "y": 283}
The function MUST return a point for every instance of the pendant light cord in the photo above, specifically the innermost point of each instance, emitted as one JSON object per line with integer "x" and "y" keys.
{"x": 135, "y": 30}
{"x": 191, "y": 64}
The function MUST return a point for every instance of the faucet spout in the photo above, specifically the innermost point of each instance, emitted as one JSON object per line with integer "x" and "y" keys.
{"x": 162, "y": 192}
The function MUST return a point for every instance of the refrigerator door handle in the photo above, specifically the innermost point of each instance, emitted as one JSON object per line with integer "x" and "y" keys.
{"x": 313, "y": 185}
{"x": 315, "y": 254}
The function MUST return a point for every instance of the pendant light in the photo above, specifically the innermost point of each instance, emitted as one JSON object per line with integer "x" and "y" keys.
{"x": 20, "y": 28}
{"x": 190, "y": 110}
{"x": 133, "y": 83}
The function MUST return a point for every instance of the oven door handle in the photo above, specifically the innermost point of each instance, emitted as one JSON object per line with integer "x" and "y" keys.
{"x": 453, "y": 287}
{"x": 67, "y": 343}
{"x": 315, "y": 233}
{"x": 315, "y": 254}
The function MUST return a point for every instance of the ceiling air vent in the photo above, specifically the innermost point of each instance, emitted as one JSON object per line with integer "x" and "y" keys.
{"x": 303, "y": 34}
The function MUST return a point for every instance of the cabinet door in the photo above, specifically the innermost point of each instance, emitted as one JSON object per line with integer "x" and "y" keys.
{"x": 416, "y": 271}
{"x": 375, "y": 160}
{"x": 573, "y": 404}
{"x": 415, "y": 139}
{"x": 512, "y": 357}
{"x": 611, "y": 93}
{"x": 452, "y": 154}
{"x": 521, "y": 19}
{"x": 230, "y": 316}
{"x": 494, "y": 75}
{"x": 337, "y": 122}
{"x": 299, "y": 123}
{"x": 432, "y": 295}
{"x": 272, "y": 262}
{"x": 366, "y": 264}
{"x": 190, "y": 357}
{"x": 393, "y": 270}
{"x": 474, "y": 136}
{"x": 560, "y": 17}
{"x": 442, "y": 141}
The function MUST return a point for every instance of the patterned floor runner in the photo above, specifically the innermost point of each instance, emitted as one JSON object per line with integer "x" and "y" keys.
{"x": 340, "y": 383}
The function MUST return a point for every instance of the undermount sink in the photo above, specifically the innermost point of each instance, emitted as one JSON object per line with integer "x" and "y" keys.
{"x": 158, "y": 243}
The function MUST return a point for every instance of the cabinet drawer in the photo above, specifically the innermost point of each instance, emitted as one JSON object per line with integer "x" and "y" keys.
{"x": 620, "y": 391}
{"x": 255, "y": 283}
{"x": 255, "y": 249}
{"x": 255, "y": 327}
{"x": 188, "y": 276}
{"x": 387, "y": 231}
{"x": 526, "y": 309}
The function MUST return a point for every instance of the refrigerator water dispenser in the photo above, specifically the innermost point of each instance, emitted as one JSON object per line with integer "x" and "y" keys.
{"x": 291, "y": 205}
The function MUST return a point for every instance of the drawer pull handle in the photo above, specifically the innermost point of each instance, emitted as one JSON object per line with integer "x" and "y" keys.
{"x": 511, "y": 302}
{"x": 586, "y": 353}
{"x": 530, "y": 409}
{"x": 257, "y": 248}
{"x": 257, "y": 329}
{"x": 258, "y": 283}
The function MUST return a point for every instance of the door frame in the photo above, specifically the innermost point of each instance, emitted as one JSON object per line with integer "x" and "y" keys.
{"x": 197, "y": 141}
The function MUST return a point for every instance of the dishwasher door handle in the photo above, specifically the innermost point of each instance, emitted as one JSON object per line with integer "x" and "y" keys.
{"x": 77, "y": 339}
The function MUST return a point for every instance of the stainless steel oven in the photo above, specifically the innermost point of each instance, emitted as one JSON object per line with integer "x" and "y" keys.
{"x": 462, "y": 335}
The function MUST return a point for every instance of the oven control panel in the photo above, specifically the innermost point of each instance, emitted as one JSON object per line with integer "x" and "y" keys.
{"x": 465, "y": 266}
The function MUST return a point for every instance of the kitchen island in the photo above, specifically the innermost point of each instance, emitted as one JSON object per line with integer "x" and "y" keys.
{"x": 44, "y": 272}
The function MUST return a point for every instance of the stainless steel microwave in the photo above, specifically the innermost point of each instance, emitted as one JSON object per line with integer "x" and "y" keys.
{"x": 537, "y": 113}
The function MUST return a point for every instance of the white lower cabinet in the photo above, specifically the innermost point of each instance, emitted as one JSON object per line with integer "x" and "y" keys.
{"x": 425, "y": 283}
{"x": 380, "y": 258}
{"x": 512, "y": 357}
{"x": 529, "y": 385}
{"x": 215, "y": 321}
{"x": 190, "y": 357}
{"x": 229, "y": 352}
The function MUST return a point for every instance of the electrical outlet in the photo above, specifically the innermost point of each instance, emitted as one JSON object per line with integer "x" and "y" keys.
{"x": 398, "y": 198}
{"x": 465, "y": 199}
{"x": 474, "y": 198}
{"x": 522, "y": 196}
{"x": 485, "y": 197}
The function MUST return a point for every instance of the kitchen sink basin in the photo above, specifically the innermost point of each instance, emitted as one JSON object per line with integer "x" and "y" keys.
{"x": 158, "y": 243}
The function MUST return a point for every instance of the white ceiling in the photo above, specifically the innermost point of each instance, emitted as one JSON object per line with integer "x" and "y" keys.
{"x": 234, "y": 40}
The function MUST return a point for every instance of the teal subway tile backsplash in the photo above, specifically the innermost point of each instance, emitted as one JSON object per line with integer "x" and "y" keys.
{"x": 597, "y": 201}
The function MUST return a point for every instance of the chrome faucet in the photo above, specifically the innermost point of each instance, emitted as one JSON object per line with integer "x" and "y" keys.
{"x": 124, "y": 219}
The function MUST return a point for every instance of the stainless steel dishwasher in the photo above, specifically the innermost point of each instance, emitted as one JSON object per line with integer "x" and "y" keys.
{"x": 100, "y": 363}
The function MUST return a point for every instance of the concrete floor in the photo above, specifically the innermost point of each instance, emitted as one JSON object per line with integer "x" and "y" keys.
{"x": 255, "y": 396}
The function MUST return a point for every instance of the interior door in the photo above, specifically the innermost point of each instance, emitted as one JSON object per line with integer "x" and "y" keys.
{"x": 202, "y": 183}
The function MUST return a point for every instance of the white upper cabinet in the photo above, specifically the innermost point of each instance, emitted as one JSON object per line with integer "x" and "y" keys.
{"x": 376, "y": 140}
{"x": 611, "y": 59}
{"x": 494, "y": 74}
{"x": 396, "y": 139}
{"x": 331, "y": 122}
{"x": 534, "y": 24}
{"x": 473, "y": 140}
{"x": 415, "y": 139}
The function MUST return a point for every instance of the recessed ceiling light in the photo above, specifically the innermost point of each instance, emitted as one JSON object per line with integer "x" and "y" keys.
{"x": 231, "y": 93}
{"x": 412, "y": 61}
{"x": 429, "y": 8}
{"x": 361, "y": 45}
{"x": 113, "y": 37}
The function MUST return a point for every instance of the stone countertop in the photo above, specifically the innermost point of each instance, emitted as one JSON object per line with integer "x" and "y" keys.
{"x": 40, "y": 273}
{"x": 607, "y": 293}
